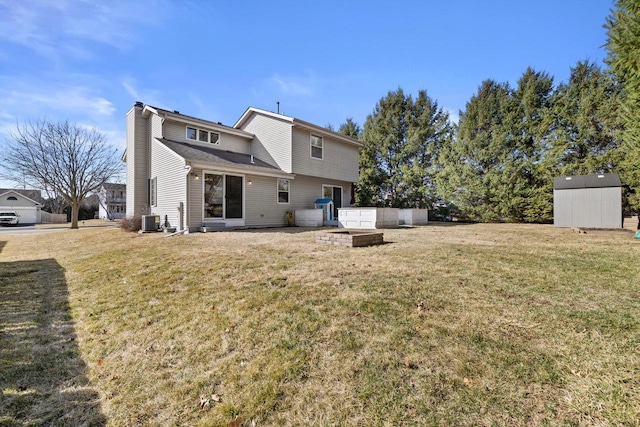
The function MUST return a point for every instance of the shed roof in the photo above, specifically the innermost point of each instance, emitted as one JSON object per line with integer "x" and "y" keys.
{"x": 602, "y": 180}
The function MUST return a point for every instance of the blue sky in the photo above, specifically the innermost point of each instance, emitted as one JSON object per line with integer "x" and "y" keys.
{"x": 88, "y": 60}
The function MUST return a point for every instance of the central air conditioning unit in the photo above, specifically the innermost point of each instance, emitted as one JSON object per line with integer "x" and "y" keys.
{"x": 150, "y": 223}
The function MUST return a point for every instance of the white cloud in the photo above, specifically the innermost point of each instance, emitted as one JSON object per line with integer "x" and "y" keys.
{"x": 295, "y": 85}
{"x": 67, "y": 99}
{"x": 56, "y": 29}
{"x": 32, "y": 100}
{"x": 146, "y": 96}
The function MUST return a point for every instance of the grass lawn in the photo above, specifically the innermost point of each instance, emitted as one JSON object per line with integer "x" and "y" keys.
{"x": 494, "y": 324}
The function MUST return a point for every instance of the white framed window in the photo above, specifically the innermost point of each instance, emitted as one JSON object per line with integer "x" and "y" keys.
{"x": 316, "y": 147}
{"x": 283, "y": 191}
{"x": 203, "y": 135}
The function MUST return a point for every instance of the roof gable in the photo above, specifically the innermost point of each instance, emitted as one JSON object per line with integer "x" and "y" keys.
{"x": 4, "y": 196}
{"x": 322, "y": 131}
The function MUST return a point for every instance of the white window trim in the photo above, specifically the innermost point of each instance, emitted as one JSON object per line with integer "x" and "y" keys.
{"x": 332, "y": 186}
{"x": 278, "y": 192}
{"x": 229, "y": 221}
{"x": 311, "y": 147}
{"x": 197, "y": 138}
{"x": 186, "y": 135}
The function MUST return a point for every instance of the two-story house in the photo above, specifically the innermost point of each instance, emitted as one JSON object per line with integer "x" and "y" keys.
{"x": 194, "y": 172}
{"x": 112, "y": 201}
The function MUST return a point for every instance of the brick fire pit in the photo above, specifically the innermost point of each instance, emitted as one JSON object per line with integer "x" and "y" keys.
{"x": 349, "y": 238}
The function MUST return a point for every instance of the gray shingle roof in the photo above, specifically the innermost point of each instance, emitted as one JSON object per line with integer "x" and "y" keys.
{"x": 35, "y": 195}
{"x": 587, "y": 181}
{"x": 198, "y": 153}
{"x": 114, "y": 186}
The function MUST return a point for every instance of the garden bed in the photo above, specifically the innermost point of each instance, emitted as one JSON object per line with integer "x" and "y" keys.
{"x": 350, "y": 238}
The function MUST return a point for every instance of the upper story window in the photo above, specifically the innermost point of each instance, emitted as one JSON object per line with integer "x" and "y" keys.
{"x": 12, "y": 198}
{"x": 203, "y": 135}
{"x": 316, "y": 146}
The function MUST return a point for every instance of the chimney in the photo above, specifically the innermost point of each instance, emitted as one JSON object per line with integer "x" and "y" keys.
{"x": 139, "y": 104}
{"x": 278, "y": 106}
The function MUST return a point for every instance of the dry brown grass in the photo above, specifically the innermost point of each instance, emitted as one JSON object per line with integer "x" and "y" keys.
{"x": 519, "y": 325}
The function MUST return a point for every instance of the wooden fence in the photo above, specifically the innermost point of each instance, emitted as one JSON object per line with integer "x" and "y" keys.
{"x": 47, "y": 217}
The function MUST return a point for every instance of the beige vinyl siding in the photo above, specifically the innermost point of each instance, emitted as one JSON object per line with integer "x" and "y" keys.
{"x": 177, "y": 131}
{"x": 306, "y": 189}
{"x": 262, "y": 208}
{"x": 155, "y": 126}
{"x": 339, "y": 160}
{"x": 196, "y": 203}
{"x": 169, "y": 170}
{"x": 137, "y": 163}
{"x": 20, "y": 202}
{"x": 272, "y": 141}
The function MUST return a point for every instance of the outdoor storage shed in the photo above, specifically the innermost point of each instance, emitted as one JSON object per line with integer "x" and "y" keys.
{"x": 589, "y": 201}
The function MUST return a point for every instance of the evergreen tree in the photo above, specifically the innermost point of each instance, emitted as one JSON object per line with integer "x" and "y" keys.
{"x": 472, "y": 164}
{"x": 526, "y": 186}
{"x": 350, "y": 128}
{"x": 623, "y": 30}
{"x": 586, "y": 122}
{"x": 402, "y": 138}
{"x": 495, "y": 170}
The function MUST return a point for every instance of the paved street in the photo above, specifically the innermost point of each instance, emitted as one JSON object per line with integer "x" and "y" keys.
{"x": 27, "y": 229}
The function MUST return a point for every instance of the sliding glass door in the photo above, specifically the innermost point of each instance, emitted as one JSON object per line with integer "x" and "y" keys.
{"x": 233, "y": 196}
{"x": 222, "y": 196}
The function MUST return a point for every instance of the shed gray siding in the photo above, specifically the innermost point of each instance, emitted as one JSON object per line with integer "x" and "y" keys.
{"x": 589, "y": 201}
{"x": 137, "y": 163}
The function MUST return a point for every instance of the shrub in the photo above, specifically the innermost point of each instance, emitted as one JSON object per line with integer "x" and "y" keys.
{"x": 131, "y": 224}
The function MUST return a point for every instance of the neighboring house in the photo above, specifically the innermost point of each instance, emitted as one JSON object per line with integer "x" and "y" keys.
{"x": 590, "y": 201}
{"x": 112, "y": 201}
{"x": 193, "y": 172}
{"x": 27, "y": 208}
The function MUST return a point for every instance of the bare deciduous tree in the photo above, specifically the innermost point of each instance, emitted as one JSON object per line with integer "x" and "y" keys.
{"x": 68, "y": 159}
